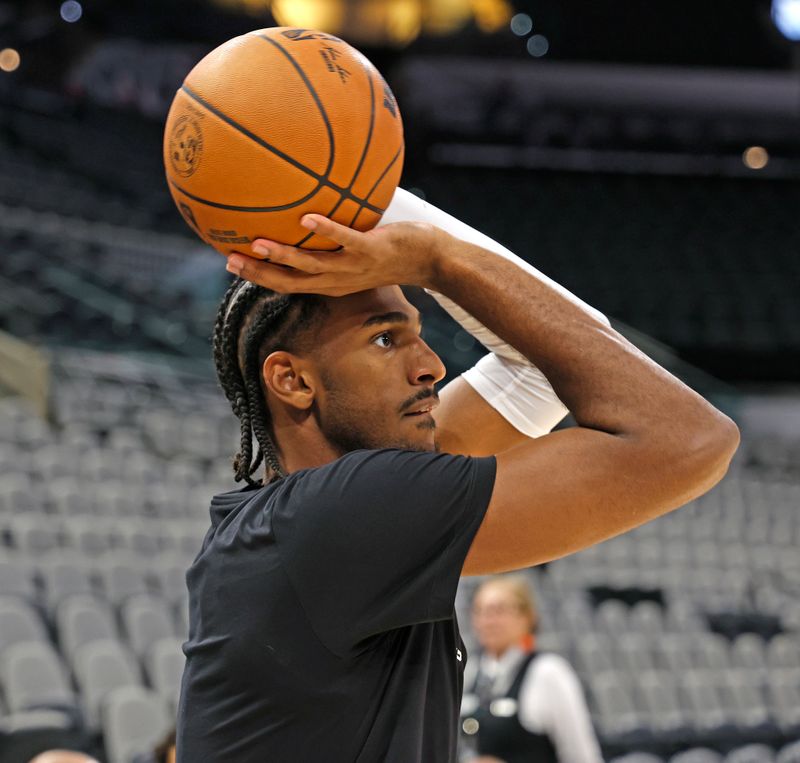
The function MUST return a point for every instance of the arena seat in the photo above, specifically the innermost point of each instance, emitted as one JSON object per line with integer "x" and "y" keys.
{"x": 19, "y": 622}
{"x": 164, "y": 663}
{"x": 99, "y": 667}
{"x": 64, "y": 573}
{"x": 81, "y": 620}
{"x": 697, "y": 755}
{"x": 33, "y": 678}
{"x": 145, "y": 619}
{"x": 752, "y": 753}
{"x": 134, "y": 719}
{"x": 789, "y": 753}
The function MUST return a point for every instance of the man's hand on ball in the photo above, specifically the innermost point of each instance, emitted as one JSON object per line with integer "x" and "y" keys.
{"x": 401, "y": 253}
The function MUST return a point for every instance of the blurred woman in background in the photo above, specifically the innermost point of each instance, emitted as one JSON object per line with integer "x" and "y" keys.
{"x": 520, "y": 706}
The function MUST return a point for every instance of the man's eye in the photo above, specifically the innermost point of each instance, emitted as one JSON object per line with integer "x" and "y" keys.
{"x": 385, "y": 335}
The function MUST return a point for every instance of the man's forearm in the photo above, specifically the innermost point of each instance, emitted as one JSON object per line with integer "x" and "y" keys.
{"x": 604, "y": 380}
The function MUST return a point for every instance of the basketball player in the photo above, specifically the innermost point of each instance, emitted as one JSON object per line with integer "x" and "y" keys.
{"x": 321, "y": 604}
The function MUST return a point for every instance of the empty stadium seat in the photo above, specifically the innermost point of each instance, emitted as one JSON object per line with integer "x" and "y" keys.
{"x": 81, "y": 620}
{"x": 99, "y": 667}
{"x": 134, "y": 721}
{"x": 121, "y": 576}
{"x": 34, "y": 678}
{"x": 19, "y": 622}
{"x": 751, "y": 753}
{"x": 64, "y": 573}
{"x": 16, "y": 577}
{"x": 164, "y": 662}
{"x": 789, "y": 753}
{"x": 145, "y": 620}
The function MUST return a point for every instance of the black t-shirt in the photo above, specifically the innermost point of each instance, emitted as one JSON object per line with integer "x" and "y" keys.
{"x": 321, "y": 614}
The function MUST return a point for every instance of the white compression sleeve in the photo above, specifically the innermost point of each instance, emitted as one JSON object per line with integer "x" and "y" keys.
{"x": 506, "y": 379}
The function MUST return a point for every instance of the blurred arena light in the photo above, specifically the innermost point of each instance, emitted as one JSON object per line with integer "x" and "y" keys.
{"x": 786, "y": 15}
{"x": 521, "y": 24}
{"x": 9, "y": 60}
{"x": 71, "y": 11}
{"x": 382, "y": 22}
{"x": 538, "y": 45}
{"x": 755, "y": 157}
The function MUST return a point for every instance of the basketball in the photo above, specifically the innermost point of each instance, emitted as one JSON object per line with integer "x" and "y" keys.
{"x": 275, "y": 124}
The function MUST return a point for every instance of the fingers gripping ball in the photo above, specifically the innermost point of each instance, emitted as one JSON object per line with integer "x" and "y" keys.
{"x": 277, "y": 123}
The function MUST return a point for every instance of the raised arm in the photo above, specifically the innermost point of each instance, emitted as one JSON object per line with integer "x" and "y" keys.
{"x": 644, "y": 445}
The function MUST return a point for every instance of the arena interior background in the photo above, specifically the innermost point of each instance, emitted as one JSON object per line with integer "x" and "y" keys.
{"x": 644, "y": 154}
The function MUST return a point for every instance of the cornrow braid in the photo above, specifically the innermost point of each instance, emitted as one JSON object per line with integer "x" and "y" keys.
{"x": 252, "y": 322}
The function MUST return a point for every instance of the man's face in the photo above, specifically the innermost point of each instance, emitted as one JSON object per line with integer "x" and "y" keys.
{"x": 376, "y": 372}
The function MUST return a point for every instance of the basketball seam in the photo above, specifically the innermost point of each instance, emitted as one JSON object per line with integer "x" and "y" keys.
{"x": 314, "y": 95}
{"x": 361, "y": 161}
{"x": 375, "y": 185}
{"x": 247, "y": 133}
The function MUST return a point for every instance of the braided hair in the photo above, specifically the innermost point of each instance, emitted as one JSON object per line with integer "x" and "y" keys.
{"x": 251, "y": 323}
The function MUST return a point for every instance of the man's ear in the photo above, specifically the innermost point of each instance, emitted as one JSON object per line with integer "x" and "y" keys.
{"x": 289, "y": 379}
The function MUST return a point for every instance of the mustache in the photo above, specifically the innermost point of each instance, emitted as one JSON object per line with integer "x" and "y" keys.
{"x": 421, "y": 395}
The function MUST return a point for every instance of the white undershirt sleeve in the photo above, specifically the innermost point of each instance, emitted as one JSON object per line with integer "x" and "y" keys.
{"x": 552, "y": 702}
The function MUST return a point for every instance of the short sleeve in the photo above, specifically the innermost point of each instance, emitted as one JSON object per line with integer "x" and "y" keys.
{"x": 376, "y": 540}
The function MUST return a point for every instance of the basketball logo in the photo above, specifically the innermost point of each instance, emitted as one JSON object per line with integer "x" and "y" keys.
{"x": 185, "y": 146}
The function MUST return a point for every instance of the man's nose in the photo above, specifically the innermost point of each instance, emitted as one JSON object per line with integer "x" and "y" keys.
{"x": 428, "y": 366}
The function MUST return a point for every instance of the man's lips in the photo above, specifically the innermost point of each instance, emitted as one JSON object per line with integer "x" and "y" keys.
{"x": 425, "y": 406}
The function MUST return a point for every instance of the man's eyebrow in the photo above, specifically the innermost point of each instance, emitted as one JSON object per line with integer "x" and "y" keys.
{"x": 392, "y": 317}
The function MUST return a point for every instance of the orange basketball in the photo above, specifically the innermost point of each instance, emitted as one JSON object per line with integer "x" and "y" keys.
{"x": 275, "y": 124}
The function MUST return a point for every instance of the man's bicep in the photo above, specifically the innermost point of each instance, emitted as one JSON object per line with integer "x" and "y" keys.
{"x": 564, "y": 492}
{"x": 467, "y": 425}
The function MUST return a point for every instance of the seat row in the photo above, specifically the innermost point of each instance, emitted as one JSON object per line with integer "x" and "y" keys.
{"x": 114, "y": 576}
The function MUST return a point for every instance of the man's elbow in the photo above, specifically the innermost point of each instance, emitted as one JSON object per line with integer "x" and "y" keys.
{"x": 710, "y": 449}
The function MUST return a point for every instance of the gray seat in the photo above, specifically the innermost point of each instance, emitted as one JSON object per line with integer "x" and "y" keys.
{"x": 145, "y": 620}
{"x": 674, "y": 652}
{"x": 747, "y": 651}
{"x": 81, "y": 620}
{"x": 16, "y": 578}
{"x": 743, "y": 697}
{"x": 171, "y": 576}
{"x": 134, "y": 721}
{"x": 121, "y": 576}
{"x": 18, "y": 623}
{"x": 633, "y": 652}
{"x": 99, "y": 667}
{"x": 659, "y": 696}
{"x": 88, "y": 535}
{"x": 35, "y": 720}
{"x": 751, "y": 753}
{"x": 783, "y": 651}
{"x": 783, "y": 697}
{"x": 34, "y": 533}
{"x": 164, "y": 663}
{"x": 697, "y": 755}
{"x": 594, "y": 654}
{"x": 646, "y": 617}
{"x": 64, "y": 574}
{"x": 68, "y": 499}
{"x": 638, "y": 757}
{"x": 182, "y": 617}
{"x": 789, "y": 753}
{"x": 34, "y": 678}
{"x": 611, "y": 616}
{"x": 711, "y": 652}
{"x": 700, "y": 692}
{"x": 613, "y": 698}
{"x": 138, "y": 536}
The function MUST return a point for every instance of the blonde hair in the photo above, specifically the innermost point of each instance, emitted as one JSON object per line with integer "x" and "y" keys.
{"x": 521, "y": 591}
